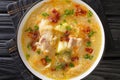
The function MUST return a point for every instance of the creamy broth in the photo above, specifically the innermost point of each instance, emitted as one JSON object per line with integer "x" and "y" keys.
{"x": 61, "y": 39}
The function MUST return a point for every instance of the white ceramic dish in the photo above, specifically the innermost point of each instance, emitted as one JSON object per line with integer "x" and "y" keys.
{"x": 21, "y": 25}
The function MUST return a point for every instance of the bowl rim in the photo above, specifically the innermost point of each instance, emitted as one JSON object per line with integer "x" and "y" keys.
{"x": 21, "y": 53}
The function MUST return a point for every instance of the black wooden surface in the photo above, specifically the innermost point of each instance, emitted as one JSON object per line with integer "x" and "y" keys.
{"x": 109, "y": 67}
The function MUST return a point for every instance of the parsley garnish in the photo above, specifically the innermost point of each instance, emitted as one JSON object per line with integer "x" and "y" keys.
{"x": 89, "y": 20}
{"x": 91, "y": 33}
{"x": 88, "y": 44}
{"x": 36, "y": 27}
{"x": 45, "y": 14}
{"x": 69, "y": 12}
{"x": 27, "y": 56}
{"x": 68, "y": 1}
{"x": 38, "y": 51}
{"x": 71, "y": 65}
{"x": 29, "y": 29}
{"x": 90, "y": 14}
{"x": 47, "y": 59}
{"x": 28, "y": 46}
{"x": 60, "y": 66}
{"x": 88, "y": 56}
{"x": 68, "y": 28}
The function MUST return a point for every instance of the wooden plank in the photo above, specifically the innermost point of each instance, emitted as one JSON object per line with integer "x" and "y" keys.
{"x": 4, "y": 52}
{"x": 6, "y": 27}
{"x": 6, "y": 30}
{"x": 6, "y": 36}
{"x": 113, "y": 19}
{"x": 112, "y": 7}
{"x": 112, "y": 54}
{"x": 3, "y": 45}
{"x": 3, "y": 4}
{"x": 107, "y": 76}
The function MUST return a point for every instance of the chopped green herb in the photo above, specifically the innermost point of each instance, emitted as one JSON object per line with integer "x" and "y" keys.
{"x": 91, "y": 33}
{"x": 60, "y": 66}
{"x": 28, "y": 46}
{"x": 89, "y": 20}
{"x": 61, "y": 24}
{"x": 64, "y": 20}
{"x": 29, "y": 29}
{"x": 38, "y": 51}
{"x": 45, "y": 14}
{"x": 71, "y": 65}
{"x": 67, "y": 52}
{"x": 88, "y": 56}
{"x": 68, "y": 1}
{"x": 75, "y": 21}
{"x": 68, "y": 28}
{"x": 90, "y": 14}
{"x": 36, "y": 27}
{"x": 27, "y": 56}
{"x": 69, "y": 12}
{"x": 88, "y": 44}
{"x": 47, "y": 59}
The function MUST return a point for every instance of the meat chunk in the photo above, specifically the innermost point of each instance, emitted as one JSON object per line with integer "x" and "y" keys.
{"x": 43, "y": 25}
{"x": 73, "y": 42}
{"x": 45, "y": 42}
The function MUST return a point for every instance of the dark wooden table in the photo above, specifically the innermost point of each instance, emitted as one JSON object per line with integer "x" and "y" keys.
{"x": 109, "y": 67}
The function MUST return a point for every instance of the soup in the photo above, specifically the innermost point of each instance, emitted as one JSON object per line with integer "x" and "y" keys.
{"x": 61, "y": 39}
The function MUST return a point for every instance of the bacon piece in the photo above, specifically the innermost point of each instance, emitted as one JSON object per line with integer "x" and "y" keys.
{"x": 44, "y": 61}
{"x": 32, "y": 44}
{"x": 65, "y": 66}
{"x": 67, "y": 33}
{"x": 46, "y": 41}
{"x": 34, "y": 38}
{"x": 75, "y": 58}
{"x": 65, "y": 37}
{"x": 55, "y": 16}
{"x": 33, "y": 35}
{"x": 53, "y": 69}
{"x": 90, "y": 50}
{"x": 79, "y": 11}
{"x": 87, "y": 30}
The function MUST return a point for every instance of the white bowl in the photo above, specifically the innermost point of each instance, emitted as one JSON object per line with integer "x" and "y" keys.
{"x": 21, "y": 25}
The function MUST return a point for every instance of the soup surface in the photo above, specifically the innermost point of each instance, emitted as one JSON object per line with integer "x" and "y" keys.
{"x": 61, "y": 39}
